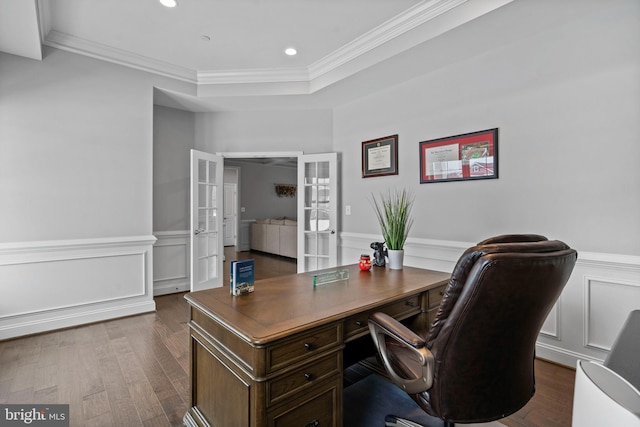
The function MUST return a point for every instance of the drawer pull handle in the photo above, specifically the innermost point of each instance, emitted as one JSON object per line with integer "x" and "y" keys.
{"x": 410, "y": 303}
{"x": 308, "y": 376}
{"x": 359, "y": 323}
{"x": 314, "y": 423}
{"x": 308, "y": 346}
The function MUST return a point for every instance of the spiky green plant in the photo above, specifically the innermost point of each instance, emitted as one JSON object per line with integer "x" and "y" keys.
{"x": 394, "y": 215}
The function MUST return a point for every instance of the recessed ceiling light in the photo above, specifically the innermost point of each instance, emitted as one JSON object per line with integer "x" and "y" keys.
{"x": 169, "y": 3}
{"x": 290, "y": 51}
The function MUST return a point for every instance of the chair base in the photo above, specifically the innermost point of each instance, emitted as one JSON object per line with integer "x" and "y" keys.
{"x": 393, "y": 421}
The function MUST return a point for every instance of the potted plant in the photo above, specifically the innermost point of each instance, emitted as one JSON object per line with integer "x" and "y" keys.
{"x": 393, "y": 211}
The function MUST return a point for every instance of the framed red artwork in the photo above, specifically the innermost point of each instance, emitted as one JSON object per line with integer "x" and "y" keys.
{"x": 459, "y": 158}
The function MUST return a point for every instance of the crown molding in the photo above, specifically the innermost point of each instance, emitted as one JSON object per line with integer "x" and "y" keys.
{"x": 264, "y": 75}
{"x": 396, "y": 26}
{"x": 102, "y": 52}
{"x": 351, "y": 58}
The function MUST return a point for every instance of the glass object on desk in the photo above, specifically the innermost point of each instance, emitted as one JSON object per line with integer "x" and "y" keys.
{"x": 330, "y": 277}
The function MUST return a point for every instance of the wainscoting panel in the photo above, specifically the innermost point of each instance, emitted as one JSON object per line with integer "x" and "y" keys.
{"x": 607, "y": 304}
{"x": 52, "y": 285}
{"x": 596, "y": 301}
{"x": 171, "y": 256}
{"x": 122, "y": 276}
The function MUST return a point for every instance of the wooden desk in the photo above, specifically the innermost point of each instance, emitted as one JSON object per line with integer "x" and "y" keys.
{"x": 274, "y": 357}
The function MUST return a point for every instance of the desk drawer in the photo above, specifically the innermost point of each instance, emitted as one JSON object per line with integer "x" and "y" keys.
{"x": 287, "y": 386}
{"x": 303, "y": 346}
{"x": 358, "y": 324}
{"x": 435, "y": 296}
{"x": 318, "y": 410}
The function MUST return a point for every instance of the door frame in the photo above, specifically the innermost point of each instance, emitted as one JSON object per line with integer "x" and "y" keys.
{"x": 233, "y": 225}
{"x": 236, "y": 170}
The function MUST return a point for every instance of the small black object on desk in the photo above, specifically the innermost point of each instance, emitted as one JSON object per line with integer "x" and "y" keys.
{"x": 379, "y": 254}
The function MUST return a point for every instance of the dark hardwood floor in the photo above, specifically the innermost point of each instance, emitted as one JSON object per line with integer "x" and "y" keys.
{"x": 552, "y": 403}
{"x": 134, "y": 371}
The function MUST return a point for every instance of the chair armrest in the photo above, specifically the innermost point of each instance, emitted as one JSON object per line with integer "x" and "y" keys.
{"x": 396, "y": 330}
{"x": 381, "y": 326}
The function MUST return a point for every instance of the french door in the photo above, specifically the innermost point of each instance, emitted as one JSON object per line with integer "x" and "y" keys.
{"x": 317, "y": 211}
{"x": 207, "y": 251}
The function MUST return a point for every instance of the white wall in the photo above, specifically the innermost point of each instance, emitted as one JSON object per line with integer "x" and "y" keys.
{"x": 74, "y": 131}
{"x": 257, "y": 191}
{"x": 566, "y": 100}
{"x": 173, "y": 138}
{"x": 76, "y": 191}
{"x": 561, "y": 81}
{"x": 310, "y": 131}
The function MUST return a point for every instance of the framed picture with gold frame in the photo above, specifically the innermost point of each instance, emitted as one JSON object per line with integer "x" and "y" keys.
{"x": 380, "y": 157}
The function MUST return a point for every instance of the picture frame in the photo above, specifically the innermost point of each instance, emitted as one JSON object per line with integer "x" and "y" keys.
{"x": 464, "y": 157}
{"x": 380, "y": 156}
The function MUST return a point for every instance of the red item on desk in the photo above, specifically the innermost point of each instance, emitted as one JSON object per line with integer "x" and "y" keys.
{"x": 365, "y": 263}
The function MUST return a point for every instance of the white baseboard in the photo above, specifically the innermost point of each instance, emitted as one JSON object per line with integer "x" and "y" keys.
{"x": 49, "y": 285}
{"x": 170, "y": 287}
{"x": 68, "y": 318}
{"x": 561, "y": 355}
{"x": 589, "y": 314}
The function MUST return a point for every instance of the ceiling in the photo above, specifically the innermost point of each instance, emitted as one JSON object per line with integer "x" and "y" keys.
{"x": 232, "y": 51}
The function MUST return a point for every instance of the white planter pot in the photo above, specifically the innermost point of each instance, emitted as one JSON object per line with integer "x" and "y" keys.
{"x": 396, "y": 258}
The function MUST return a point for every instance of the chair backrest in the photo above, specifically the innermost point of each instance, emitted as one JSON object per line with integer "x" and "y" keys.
{"x": 483, "y": 338}
{"x": 512, "y": 238}
{"x": 468, "y": 259}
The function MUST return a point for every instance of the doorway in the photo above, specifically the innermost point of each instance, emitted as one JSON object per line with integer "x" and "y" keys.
{"x": 309, "y": 228}
{"x": 230, "y": 222}
{"x": 257, "y": 176}
{"x": 313, "y": 209}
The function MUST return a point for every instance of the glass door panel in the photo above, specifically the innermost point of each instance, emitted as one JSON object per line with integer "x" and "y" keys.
{"x": 317, "y": 239}
{"x": 206, "y": 246}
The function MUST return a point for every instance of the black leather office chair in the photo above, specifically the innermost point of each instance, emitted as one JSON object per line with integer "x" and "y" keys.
{"x": 475, "y": 362}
